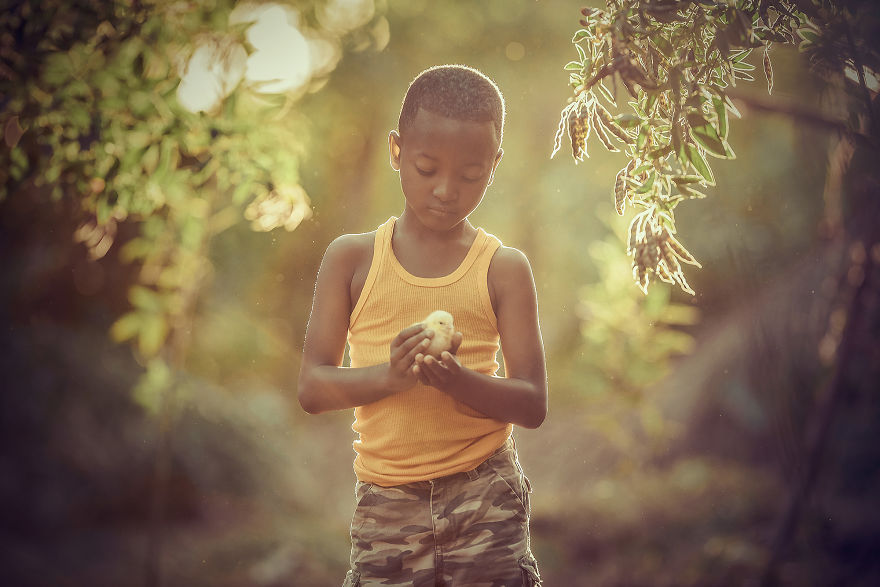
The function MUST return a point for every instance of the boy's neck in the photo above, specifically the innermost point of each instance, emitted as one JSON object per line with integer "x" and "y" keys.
{"x": 424, "y": 252}
{"x": 409, "y": 224}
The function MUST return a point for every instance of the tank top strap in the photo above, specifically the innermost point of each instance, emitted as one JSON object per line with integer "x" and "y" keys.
{"x": 490, "y": 246}
{"x": 381, "y": 251}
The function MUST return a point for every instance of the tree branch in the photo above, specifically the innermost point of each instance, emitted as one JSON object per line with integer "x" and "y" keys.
{"x": 801, "y": 114}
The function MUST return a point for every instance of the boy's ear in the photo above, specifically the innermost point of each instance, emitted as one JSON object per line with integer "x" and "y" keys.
{"x": 495, "y": 165}
{"x": 394, "y": 148}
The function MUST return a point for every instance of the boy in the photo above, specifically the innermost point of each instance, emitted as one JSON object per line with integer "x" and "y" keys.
{"x": 442, "y": 499}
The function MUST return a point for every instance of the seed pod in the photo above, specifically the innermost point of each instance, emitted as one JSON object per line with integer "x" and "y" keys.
{"x": 653, "y": 246}
{"x": 768, "y": 68}
{"x": 663, "y": 273}
{"x": 641, "y": 276}
{"x": 611, "y": 125}
{"x": 650, "y": 253}
{"x": 682, "y": 282}
{"x": 620, "y": 191}
{"x": 679, "y": 250}
{"x": 578, "y": 132}
{"x": 635, "y": 227}
{"x": 669, "y": 258}
{"x": 560, "y": 130}
{"x": 622, "y": 186}
{"x": 600, "y": 132}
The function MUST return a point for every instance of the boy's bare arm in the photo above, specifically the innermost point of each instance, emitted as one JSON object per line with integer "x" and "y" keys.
{"x": 521, "y": 397}
{"x": 323, "y": 384}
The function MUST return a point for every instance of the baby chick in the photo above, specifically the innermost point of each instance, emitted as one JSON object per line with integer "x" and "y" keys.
{"x": 440, "y": 322}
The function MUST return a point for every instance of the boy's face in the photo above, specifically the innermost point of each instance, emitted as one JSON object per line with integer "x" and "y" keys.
{"x": 445, "y": 166}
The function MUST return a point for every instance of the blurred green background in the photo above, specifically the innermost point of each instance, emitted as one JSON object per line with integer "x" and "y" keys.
{"x": 677, "y": 427}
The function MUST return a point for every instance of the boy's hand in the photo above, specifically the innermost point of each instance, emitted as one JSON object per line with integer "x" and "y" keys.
{"x": 408, "y": 343}
{"x": 439, "y": 373}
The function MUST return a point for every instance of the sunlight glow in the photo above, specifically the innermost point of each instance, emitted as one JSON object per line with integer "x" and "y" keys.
{"x": 286, "y": 206}
{"x": 214, "y": 70}
{"x": 345, "y": 15}
{"x": 282, "y": 60}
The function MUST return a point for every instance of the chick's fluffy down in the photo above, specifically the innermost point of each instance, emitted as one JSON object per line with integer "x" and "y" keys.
{"x": 440, "y": 322}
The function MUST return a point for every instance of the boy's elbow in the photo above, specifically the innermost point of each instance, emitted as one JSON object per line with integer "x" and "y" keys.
{"x": 537, "y": 415}
{"x": 536, "y": 419}
{"x": 307, "y": 404}
{"x": 307, "y": 397}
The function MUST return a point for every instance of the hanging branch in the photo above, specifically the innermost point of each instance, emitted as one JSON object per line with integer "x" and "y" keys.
{"x": 680, "y": 63}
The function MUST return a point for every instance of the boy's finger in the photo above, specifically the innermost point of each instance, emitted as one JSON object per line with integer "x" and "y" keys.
{"x": 456, "y": 342}
{"x": 427, "y": 370}
{"x": 418, "y": 347}
{"x": 450, "y": 363}
{"x": 436, "y": 367}
{"x": 407, "y": 333}
{"x": 410, "y": 346}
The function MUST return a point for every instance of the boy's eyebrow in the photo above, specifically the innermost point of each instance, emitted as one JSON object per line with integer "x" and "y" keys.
{"x": 426, "y": 156}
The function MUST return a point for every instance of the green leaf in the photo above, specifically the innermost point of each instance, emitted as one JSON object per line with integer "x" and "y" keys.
{"x": 628, "y": 120}
{"x": 698, "y": 162}
{"x": 581, "y": 53}
{"x": 660, "y": 152}
{"x": 126, "y": 327}
{"x": 663, "y": 45}
{"x": 677, "y": 142}
{"x": 580, "y": 35}
{"x": 152, "y": 385}
{"x": 145, "y": 299}
{"x": 604, "y": 91}
{"x": 641, "y": 169}
{"x": 103, "y": 211}
{"x": 154, "y": 330}
{"x": 721, "y": 114}
{"x": 686, "y": 179}
{"x": 642, "y": 138}
{"x": 808, "y": 34}
{"x": 705, "y": 134}
{"x": 649, "y": 183}
{"x": 573, "y": 66}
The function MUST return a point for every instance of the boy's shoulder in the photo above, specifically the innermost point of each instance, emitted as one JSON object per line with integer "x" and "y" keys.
{"x": 508, "y": 259}
{"x": 351, "y": 248}
{"x": 509, "y": 268}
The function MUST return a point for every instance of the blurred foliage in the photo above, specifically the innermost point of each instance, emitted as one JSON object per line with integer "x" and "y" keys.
{"x": 137, "y": 112}
{"x": 677, "y": 61}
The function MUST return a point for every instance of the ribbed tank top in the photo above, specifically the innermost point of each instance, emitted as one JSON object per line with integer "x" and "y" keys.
{"x": 422, "y": 433}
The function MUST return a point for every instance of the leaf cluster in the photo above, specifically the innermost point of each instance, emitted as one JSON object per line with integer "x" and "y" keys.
{"x": 90, "y": 110}
{"x": 674, "y": 63}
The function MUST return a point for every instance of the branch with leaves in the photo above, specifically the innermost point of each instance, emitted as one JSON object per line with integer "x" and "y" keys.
{"x": 150, "y": 114}
{"x": 676, "y": 61}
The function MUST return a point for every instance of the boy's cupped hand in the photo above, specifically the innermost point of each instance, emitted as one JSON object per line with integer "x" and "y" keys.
{"x": 440, "y": 372}
{"x": 409, "y": 343}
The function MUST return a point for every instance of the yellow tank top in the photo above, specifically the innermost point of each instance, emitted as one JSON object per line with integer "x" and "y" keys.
{"x": 422, "y": 433}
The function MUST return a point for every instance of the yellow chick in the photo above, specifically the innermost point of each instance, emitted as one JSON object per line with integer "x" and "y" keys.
{"x": 440, "y": 322}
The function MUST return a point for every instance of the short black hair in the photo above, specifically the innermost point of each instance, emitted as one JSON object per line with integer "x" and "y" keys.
{"x": 455, "y": 91}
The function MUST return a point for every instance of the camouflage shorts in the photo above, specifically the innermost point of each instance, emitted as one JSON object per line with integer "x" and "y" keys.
{"x": 469, "y": 529}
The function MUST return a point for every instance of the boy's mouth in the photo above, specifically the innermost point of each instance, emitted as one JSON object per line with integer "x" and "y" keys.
{"x": 441, "y": 211}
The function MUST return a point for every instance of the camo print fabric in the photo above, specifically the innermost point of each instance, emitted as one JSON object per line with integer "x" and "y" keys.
{"x": 469, "y": 529}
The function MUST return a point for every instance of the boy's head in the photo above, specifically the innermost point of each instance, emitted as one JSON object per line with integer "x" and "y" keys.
{"x": 454, "y": 91}
{"x": 448, "y": 143}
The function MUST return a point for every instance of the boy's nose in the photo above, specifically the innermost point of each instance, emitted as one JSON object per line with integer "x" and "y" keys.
{"x": 444, "y": 191}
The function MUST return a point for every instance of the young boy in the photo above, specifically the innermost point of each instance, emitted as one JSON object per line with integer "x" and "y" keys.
{"x": 441, "y": 496}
